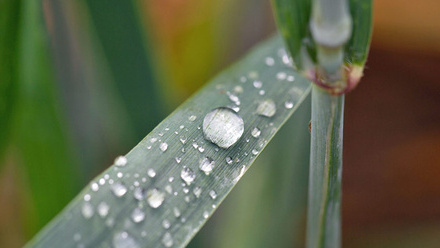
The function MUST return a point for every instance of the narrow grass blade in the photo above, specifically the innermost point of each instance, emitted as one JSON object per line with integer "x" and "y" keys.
{"x": 41, "y": 137}
{"x": 9, "y": 24}
{"x": 324, "y": 208}
{"x": 160, "y": 196}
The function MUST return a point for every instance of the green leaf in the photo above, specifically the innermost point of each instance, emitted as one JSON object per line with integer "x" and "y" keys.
{"x": 293, "y": 22}
{"x": 98, "y": 217}
{"x": 9, "y": 24}
{"x": 324, "y": 207}
{"x": 42, "y": 139}
{"x": 118, "y": 28}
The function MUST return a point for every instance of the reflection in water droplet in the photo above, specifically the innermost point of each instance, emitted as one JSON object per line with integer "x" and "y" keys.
{"x": 87, "y": 210}
{"x": 206, "y": 165}
{"x": 187, "y": 175}
{"x": 256, "y": 132}
{"x": 151, "y": 173}
{"x": 123, "y": 240}
{"x": 155, "y": 198}
{"x": 229, "y": 160}
{"x": 213, "y": 194}
{"x": 167, "y": 240}
{"x": 137, "y": 215}
{"x": 121, "y": 161}
{"x": 266, "y": 108}
{"x": 197, "y": 191}
{"x": 103, "y": 209}
{"x": 163, "y": 146}
{"x": 119, "y": 189}
{"x": 223, "y": 127}
{"x": 288, "y": 104}
{"x": 192, "y": 118}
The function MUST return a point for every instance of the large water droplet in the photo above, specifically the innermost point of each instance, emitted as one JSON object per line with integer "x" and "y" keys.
{"x": 155, "y": 198}
{"x": 267, "y": 108}
{"x": 256, "y": 132}
{"x": 223, "y": 127}
{"x": 187, "y": 175}
{"x": 119, "y": 189}
{"x": 137, "y": 215}
{"x": 167, "y": 240}
{"x": 121, "y": 161}
{"x": 103, "y": 209}
{"x": 206, "y": 165}
{"x": 123, "y": 240}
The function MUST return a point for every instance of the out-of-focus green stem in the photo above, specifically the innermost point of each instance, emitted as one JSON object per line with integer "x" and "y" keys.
{"x": 324, "y": 222}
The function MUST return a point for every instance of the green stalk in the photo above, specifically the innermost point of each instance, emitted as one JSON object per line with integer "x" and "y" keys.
{"x": 324, "y": 222}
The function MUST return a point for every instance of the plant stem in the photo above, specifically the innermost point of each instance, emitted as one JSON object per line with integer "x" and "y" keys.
{"x": 324, "y": 222}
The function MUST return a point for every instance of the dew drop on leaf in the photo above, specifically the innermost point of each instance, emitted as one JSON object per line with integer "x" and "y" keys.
{"x": 255, "y": 132}
{"x": 137, "y": 215}
{"x": 167, "y": 240}
{"x": 223, "y": 127}
{"x": 213, "y": 194}
{"x": 151, "y": 173}
{"x": 163, "y": 146}
{"x": 103, "y": 209}
{"x": 124, "y": 240}
{"x": 121, "y": 161}
{"x": 206, "y": 165}
{"x": 288, "y": 104}
{"x": 266, "y": 108}
{"x": 187, "y": 175}
{"x": 87, "y": 210}
{"x": 119, "y": 189}
{"x": 155, "y": 198}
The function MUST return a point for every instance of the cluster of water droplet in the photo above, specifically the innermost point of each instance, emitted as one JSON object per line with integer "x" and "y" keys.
{"x": 223, "y": 128}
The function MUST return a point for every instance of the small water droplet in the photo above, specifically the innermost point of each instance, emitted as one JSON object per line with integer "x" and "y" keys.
{"x": 185, "y": 190}
{"x": 152, "y": 140}
{"x": 192, "y": 118}
{"x": 238, "y": 89}
{"x": 170, "y": 179}
{"x": 187, "y": 175}
{"x": 101, "y": 181}
{"x": 87, "y": 210}
{"x": 103, "y": 209}
{"x": 139, "y": 193}
{"x": 169, "y": 189}
{"x": 155, "y": 198}
{"x": 121, "y": 161}
{"x": 255, "y": 152}
{"x": 123, "y": 240}
{"x": 290, "y": 78}
{"x": 234, "y": 98}
{"x": 195, "y": 145}
{"x": 243, "y": 79}
{"x": 144, "y": 233}
{"x": 151, "y": 173}
{"x": 223, "y": 127}
{"x": 137, "y": 215}
{"x": 178, "y": 160}
{"x": 213, "y": 194}
{"x": 94, "y": 186}
{"x": 262, "y": 92}
{"x": 163, "y": 146}
{"x": 206, "y": 165}
{"x": 182, "y": 139}
{"x": 87, "y": 197}
{"x": 120, "y": 174}
{"x": 266, "y": 108}
{"x": 229, "y": 160}
{"x": 167, "y": 240}
{"x": 166, "y": 224}
{"x": 257, "y": 84}
{"x": 197, "y": 191}
{"x": 205, "y": 214}
{"x": 253, "y": 74}
{"x": 281, "y": 75}
{"x": 288, "y": 104}
{"x": 119, "y": 189}
{"x": 256, "y": 132}
{"x": 176, "y": 212}
{"x": 269, "y": 61}
{"x": 77, "y": 237}
{"x": 201, "y": 149}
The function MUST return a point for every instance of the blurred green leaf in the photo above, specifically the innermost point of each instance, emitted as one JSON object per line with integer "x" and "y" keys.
{"x": 9, "y": 24}
{"x": 118, "y": 28}
{"x": 146, "y": 203}
{"x": 42, "y": 139}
